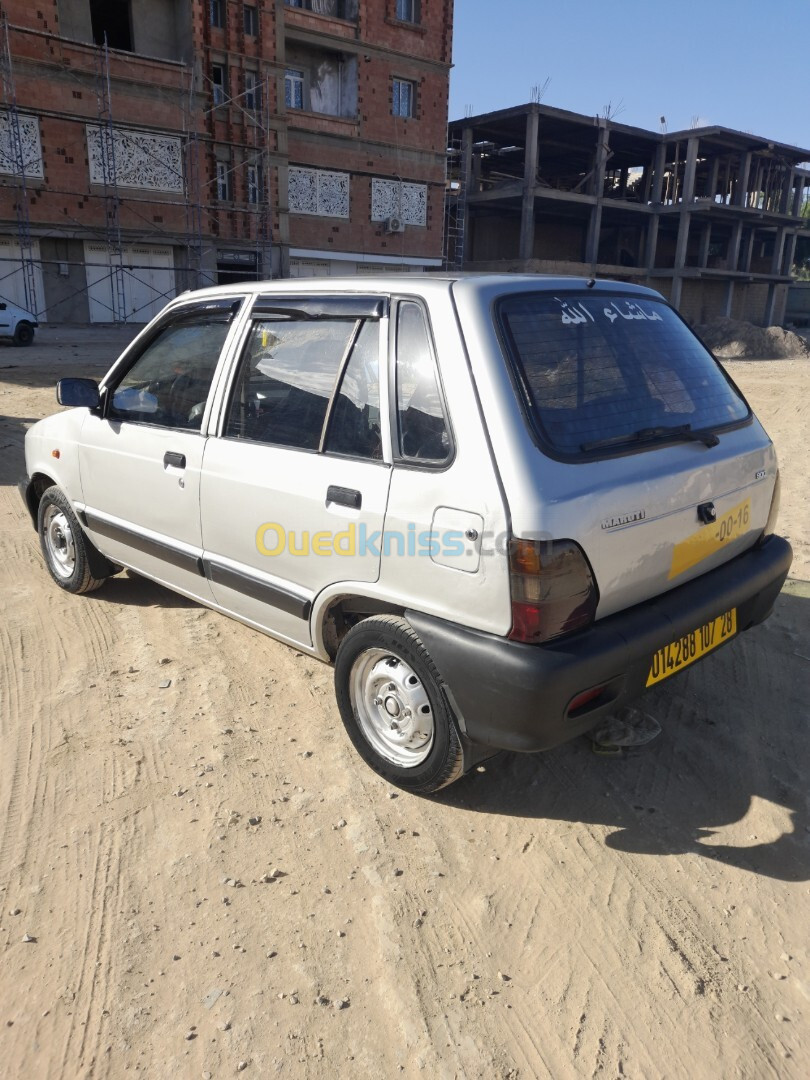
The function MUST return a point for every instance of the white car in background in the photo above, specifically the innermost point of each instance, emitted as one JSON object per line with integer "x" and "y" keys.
{"x": 17, "y": 323}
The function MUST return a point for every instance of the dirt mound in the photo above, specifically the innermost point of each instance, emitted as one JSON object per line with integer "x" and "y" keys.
{"x": 734, "y": 340}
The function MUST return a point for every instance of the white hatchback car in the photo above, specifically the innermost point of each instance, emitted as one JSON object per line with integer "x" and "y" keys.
{"x": 502, "y": 506}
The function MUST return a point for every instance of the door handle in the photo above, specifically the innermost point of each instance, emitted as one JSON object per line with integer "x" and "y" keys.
{"x": 344, "y": 496}
{"x": 175, "y": 459}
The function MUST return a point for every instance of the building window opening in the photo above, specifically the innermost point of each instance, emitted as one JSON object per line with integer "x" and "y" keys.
{"x": 251, "y": 20}
{"x": 408, "y": 11}
{"x": 403, "y": 98}
{"x": 219, "y": 83}
{"x": 217, "y": 12}
{"x": 294, "y": 89}
{"x": 223, "y": 181}
{"x": 110, "y": 20}
{"x": 236, "y": 266}
{"x": 254, "y": 184}
{"x": 253, "y": 92}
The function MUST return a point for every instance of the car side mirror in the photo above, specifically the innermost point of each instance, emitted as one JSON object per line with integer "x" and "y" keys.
{"x": 78, "y": 393}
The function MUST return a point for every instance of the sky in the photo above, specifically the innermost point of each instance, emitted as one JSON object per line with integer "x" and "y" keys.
{"x": 736, "y": 63}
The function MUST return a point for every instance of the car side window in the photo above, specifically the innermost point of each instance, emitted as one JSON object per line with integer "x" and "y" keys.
{"x": 286, "y": 380}
{"x": 169, "y": 383}
{"x": 354, "y": 425}
{"x": 422, "y": 425}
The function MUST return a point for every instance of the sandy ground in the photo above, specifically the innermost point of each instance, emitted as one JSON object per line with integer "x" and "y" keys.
{"x": 565, "y": 915}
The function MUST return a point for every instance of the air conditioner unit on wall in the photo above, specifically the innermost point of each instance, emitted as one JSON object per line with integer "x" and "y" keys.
{"x": 394, "y": 224}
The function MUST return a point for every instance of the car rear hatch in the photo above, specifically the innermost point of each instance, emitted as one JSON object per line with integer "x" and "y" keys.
{"x": 648, "y": 456}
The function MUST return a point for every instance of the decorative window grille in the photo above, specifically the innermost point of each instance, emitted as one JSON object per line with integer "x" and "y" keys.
{"x": 316, "y": 191}
{"x": 142, "y": 159}
{"x": 392, "y": 198}
{"x": 29, "y": 145}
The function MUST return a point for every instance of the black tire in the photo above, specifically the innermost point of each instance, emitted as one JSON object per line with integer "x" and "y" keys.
{"x": 24, "y": 334}
{"x": 72, "y": 561}
{"x": 390, "y": 640}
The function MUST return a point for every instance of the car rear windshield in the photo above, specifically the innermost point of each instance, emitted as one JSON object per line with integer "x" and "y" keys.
{"x": 603, "y": 369}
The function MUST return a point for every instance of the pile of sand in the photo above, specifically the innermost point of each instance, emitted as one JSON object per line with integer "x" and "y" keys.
{"x": 734, "y": 340}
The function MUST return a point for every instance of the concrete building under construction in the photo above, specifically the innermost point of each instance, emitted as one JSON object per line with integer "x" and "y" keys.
{"x": 149, "y": 146}
{"x": 709, "y": 216}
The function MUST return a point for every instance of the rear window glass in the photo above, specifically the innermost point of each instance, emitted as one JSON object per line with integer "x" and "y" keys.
{"x": 596, "y": 368}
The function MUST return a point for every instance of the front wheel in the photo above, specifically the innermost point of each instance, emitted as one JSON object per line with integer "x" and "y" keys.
{"x": 72, "y": 561}
{"x": 24, "y": 334}
{"x": 391, "y": 703}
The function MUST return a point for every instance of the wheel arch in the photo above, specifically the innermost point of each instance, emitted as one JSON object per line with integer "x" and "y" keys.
{"x": 37, "y": 485}
{"x": 338, "y": 614}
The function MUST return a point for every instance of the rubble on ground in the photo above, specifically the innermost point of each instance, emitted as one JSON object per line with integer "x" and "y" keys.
{"x": 731, "y": 339}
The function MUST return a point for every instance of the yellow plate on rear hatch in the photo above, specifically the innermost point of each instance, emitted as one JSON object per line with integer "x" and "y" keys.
{"x": 689, "y": 648}
{"x": 703, "y": 543}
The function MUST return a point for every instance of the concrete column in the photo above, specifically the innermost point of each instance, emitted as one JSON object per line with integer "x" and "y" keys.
{"x": 784, "y": 198}
{"x": 681, "y": 246}
{"x": 790, "y": 254}
{"x": 778, "y": 251}
{"x": 675, "y": 292}
{"x": 741, "y": 194}
{"x": 733, "y": 256}
{"x": 688, "y": 191}
{"x": 651, "y": 242}
{"x": 526, "y": 248}
{"x": 595, "y": 223}
{"x": 798, "y": 196}
{"x": 646, "y": 183}
{"x": 659, "y": 163}
{"x": 770, "y": 305}
{"x": 748, "y": 251}
{"x": 729, "y": 299}
{"x": 705, "y": 243}
{"x": 714, "y": 175}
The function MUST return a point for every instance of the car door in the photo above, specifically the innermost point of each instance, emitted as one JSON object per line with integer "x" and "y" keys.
{"x": 294, "y": 487}
{"x": 141, "y": 454}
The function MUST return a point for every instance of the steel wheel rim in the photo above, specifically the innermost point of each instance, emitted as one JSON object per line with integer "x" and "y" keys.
{"x": 392, "y": 707}
{"x": 59, "y": 542}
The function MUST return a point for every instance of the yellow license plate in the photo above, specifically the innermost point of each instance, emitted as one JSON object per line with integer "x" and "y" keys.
{"x": 689, "y": 648}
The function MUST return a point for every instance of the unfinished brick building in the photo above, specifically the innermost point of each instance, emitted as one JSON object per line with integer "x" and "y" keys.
{"x": 149, "y": 146}
{"x": 709, "y": 216}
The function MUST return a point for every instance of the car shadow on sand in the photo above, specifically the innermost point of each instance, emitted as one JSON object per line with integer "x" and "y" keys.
{"x": 735, "y": 737}
{"x": 132, "y": 590}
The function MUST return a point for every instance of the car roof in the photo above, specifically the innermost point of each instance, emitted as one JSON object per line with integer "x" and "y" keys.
{"x": 423, "y": 284}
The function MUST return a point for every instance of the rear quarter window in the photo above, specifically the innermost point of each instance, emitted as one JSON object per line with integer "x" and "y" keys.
{"x": 595, "y": 367}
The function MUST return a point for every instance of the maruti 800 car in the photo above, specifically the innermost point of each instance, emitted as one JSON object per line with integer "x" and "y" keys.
{"x": 501, "y": 506}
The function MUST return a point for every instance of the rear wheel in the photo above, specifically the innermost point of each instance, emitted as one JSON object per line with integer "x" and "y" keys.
{"x": 24, "y": 334}
{"x": 391, "y": 702}
{"x": 73, "y": 562}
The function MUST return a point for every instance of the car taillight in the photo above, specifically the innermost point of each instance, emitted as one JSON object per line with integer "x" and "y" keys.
{"x": 773, "y": 513}
{"x": 553, "y": 591}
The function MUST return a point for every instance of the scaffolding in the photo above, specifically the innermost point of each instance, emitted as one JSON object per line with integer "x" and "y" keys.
{"x": 455, "y": 205}
{"x": 196, "y": 130}
{"x": 109, "y": 174}
{"x": 27, "y": 262}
